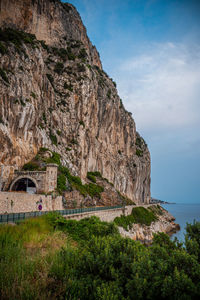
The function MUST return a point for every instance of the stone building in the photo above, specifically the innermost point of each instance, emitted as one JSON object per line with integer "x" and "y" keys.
{"x": 32, "y": 182}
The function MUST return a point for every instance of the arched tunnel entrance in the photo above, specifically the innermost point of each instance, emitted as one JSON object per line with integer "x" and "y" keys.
{"x": 24, "y": 185}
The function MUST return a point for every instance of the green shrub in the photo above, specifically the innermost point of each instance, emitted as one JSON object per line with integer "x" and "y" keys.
{"x": 30, "y": 166}
{"x": 61, "y": 183}
{"x": 50, "y": 77}
{"x": 44, "y": 46}
{"x": 55, "y": 159}
{"x": 22, "y": 102}
{"x": 109, "y": 93}
{"x": 3, "y": 49}
{"x": 74, "y": 142}
{"x": 80, "y": 68}
{"x": 33, "y": 95}
{"x": 82, "y": 123}
{"x": 3, "y": 75}
{"x": 91, "y": 177}
{"x": 94, "y": 190}
{"x": 59, "y": 68}
{"x": 96, "y": 174}
{"x": 70, "y": 54}
{"x": 67, "y": 7}
{"x": 139, "y": 152}
{"x": 57, "y": 258}
{"x": 82, "y": 54}
{"x": 68, "y": 86}
{"x": 139, "y": 215}
{"x": 43, "y": 149}
{"x": 44, "y": 118}
{"x": 120, "y": 152}
{"x": 53, "y": 138}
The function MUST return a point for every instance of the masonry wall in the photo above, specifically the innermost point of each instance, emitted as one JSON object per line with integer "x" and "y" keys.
{"x": 13, "y": 202}
{"x": 104, "y": 215}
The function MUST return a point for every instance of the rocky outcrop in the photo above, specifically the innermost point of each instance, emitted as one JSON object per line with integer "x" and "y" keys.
{"x": 144, "y": 233}
{"x": 55, "y": 94}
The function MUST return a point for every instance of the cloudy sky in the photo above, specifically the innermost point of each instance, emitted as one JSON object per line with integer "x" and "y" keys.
{"x": 152, "y": 50}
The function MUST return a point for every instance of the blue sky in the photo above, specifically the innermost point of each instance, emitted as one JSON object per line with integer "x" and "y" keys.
{"x": 152, "y": 50}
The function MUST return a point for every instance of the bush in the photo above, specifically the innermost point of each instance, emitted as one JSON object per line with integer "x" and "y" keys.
{"x": 91, "y": 177}
{"x": 44, "y": 46}
{"x": 80, "y": 68}
{"x": 59, "y": 68}
{"x": 50, "y": 77}
{"x": 139, "y": 152}
{"x": 109, "y": 93}
{"x": 18, "y": 38}
{"x": 68, "y": 86}
{"x": 70, "y": 54}
{"x": 139, "y": 215}
{"x": 82, "y": 54}
{"x": 82, "y": 123}
{"x": 53, "y": 138}
{"x": 31, "y": 166}
{"x": 57, "y": 258}
{"x": 95, "y": 173}
{"x": 33, "y": 95}
{"x": 94, "y": 190}
{"x": 61, "y": 183}
{"x": 3, "y": 49}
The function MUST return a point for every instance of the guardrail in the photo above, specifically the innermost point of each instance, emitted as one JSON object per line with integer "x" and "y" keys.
{"x": 6, "y": 218}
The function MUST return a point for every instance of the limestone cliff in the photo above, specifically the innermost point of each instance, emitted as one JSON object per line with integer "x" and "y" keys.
{"x": 54, "y": 94}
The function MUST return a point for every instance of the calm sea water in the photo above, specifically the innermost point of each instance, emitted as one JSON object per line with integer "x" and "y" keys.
{"x": 184, "y": 213}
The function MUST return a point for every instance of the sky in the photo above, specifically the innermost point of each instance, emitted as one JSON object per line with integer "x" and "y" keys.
{"x": 152, "y": 50}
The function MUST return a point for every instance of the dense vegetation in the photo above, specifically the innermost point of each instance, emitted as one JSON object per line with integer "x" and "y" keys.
{"x": 53, "y": 258}
{"x": 139, "y": 215}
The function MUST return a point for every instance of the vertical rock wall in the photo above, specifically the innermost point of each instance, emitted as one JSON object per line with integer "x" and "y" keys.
{"x": 56, "y": 95}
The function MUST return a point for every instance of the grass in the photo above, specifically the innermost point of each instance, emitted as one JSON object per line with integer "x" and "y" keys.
{"x": 139, "y": 215}
{"x": 27, "y": 250}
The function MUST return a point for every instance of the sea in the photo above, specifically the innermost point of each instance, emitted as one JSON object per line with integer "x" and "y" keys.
{"x": 184, "y": 213}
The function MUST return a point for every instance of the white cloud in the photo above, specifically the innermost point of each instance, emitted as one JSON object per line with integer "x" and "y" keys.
{"x": 161, "y": 87}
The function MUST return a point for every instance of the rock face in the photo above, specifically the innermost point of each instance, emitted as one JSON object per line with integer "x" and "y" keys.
{"x": 143, "y": 233}
{"x": 54, "y": 94}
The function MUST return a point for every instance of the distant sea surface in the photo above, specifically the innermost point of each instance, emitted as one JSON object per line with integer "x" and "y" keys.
{"x": 184, "y": 213}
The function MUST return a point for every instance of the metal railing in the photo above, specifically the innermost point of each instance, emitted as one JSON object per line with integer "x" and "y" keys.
{"x": 6, "y": 218}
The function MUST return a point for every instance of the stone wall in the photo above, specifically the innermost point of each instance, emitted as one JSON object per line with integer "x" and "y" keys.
{"x": 22, "y": 202}
{"x": 104, "y": 215}
{"x": 45, "y": 181}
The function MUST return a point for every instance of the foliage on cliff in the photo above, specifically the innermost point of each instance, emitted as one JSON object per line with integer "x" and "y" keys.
{"x": 53, "y": 258}
{"x": 139, "y": 215}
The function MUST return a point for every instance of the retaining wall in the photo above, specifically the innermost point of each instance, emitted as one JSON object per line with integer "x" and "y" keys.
{"x": 104, "y": 215}
{"x": 13, "y": 202}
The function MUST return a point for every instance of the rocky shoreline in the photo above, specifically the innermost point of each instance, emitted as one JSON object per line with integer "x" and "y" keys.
{"x": 144, "y": 233}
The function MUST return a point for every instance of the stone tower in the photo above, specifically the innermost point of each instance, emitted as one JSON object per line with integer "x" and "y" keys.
{"x": 51, "y": 178}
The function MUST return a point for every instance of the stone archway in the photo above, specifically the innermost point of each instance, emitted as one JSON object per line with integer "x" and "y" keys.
{"x": 24, "y": 184}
